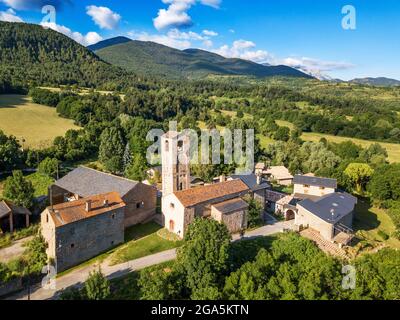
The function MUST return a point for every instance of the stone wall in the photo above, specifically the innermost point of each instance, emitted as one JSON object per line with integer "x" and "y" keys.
{"x": 141, "y": 204}
{"x": 307, "y": 219}
{"x": 234, "y": 221}
{"x": 84, "y": 239}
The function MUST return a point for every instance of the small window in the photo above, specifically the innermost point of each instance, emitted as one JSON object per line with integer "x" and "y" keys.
{"x": 306, "y": 186}
{"x": 72, "y": 245}
{"x": 113, "y": 216}
{"x": 180, "y": 144}
{"x": 47, "y": 218}
{"x": 139, "y": 205}
{"x": 172, "y": 205}
{"x": 112, "y": 243}
{"x": 322, "y": 188}
{"x": 166, "y": 145}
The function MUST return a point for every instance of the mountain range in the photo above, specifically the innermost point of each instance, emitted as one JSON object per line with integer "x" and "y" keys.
{"x": 158, "y": 60}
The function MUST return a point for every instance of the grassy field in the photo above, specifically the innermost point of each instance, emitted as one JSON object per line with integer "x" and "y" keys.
{"x": 35, "y": 123}
{"x": 393, "y": 149}
{"x": 141, "y": 241}
{"x": 370, "y": 222}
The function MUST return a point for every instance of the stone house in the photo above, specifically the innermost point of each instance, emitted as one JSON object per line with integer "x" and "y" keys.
{"x": 280, "y": 174}
{"x": 140, "y": 199}
{"x": 257, "y": 185}
{"x": 12, "y": 216}
{"x": 305, "y": 186}
{"x": 331, "y": 215}
{"x": 182, "y": 207}
{"x": 79, "y": 230}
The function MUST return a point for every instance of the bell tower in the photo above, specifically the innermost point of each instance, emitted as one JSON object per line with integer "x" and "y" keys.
{"x": 175, "y": 156}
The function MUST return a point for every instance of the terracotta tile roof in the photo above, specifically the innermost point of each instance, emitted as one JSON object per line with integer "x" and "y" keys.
{"x": 202, "y": 194}
{"x": 69, "y": 212}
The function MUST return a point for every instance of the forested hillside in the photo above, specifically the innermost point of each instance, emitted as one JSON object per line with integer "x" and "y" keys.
{"x": 33, "y": 55}
{"x": 154, "y": 59}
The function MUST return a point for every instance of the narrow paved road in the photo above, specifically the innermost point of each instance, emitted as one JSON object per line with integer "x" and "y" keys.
{"x": 78, "y": 277}
{"x": 14, "y": 251}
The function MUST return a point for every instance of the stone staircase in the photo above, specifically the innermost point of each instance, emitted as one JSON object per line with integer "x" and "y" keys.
{"x": 324, "y": 244}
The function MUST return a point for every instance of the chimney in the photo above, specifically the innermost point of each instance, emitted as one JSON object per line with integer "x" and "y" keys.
{"x": 222, "y": 178}
{"x": 88, "y": 205}
{"x": 258, "y": 179}
{"x": 105, "y": 203}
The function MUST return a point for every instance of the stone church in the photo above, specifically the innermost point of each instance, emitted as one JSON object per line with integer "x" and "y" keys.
{"x": 181, "y": 204}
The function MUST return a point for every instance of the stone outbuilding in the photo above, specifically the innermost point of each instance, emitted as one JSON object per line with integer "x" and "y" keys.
{"x": 12, "y": 216}
{"x": 79, "y": 230}
{"x": 280, "y": 174}
{"x": 140, "y": 199}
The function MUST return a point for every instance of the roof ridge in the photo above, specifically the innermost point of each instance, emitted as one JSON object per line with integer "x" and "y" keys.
{"x": 109, "y": 174}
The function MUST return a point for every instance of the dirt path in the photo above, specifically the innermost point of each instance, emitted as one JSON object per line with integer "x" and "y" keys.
{"x": 14, "y": 251}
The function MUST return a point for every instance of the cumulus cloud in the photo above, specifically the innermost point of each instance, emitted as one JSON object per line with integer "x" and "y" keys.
{"x": 174, "y": 38}
{"x": 210, "y": 33}
{"x": 87, "y": 39}
{"x": 244, "y": 49}
{"x": 164, "y": 39}
{"x": 33, "y": 4}
{"x": 176, "y": 16}
{"x": 103, "y": 17}
{"x": 316, "y": 64}
{"x": 10, "y": 16}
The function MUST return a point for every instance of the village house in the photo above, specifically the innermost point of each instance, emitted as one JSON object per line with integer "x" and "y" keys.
{"x": 181, "y": 203}
{"x": 257, "y": 185}
{"x": 140, "y": 199}
{"x": 12, "y": 216}
{"x": 79, "y": 230}
{"x": 316, "y": 204}
{"x": 331, "y": 215}
{"x": 306, "y": 186}
{"x": 280, "y": 174}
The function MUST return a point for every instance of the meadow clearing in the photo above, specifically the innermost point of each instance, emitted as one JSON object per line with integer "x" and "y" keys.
{"x": 38, "y": 125}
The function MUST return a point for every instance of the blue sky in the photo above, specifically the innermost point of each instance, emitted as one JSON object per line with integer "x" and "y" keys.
{"x": 302, "y": 33}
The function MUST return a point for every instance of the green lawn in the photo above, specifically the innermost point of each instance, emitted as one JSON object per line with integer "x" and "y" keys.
{"x": 145, "y": 241}
{"x": 35, "y": 123}
{"x": 369, "y": 221}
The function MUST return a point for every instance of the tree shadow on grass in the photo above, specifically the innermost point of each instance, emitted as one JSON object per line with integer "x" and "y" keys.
{"x": 364, "y": 218}
{"x": 12, "y": 101}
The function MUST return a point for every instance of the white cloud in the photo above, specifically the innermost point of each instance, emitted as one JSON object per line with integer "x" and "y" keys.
{"x": 103, "y": 17}
{"x": 174, "y": 38}
{"x": 10, "y": 16}
{"x": 88, "y": 39}
{"x": 210, "y": 33}
{"x": 32, "y": 4}
{"x": 164, "y": 39}
{"x": 176, "y": 16}
{"x": 212, "y": 3}
{"x": 208, "y": 43}
{"x": 244, "y": 49}
{"x": 176, "y": 34}
{"x": 316, "y": 64}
